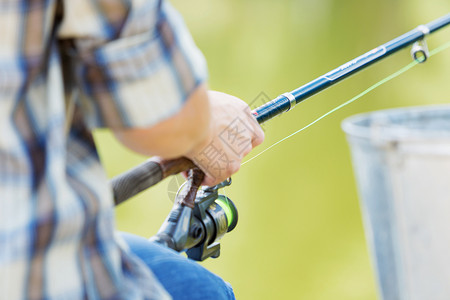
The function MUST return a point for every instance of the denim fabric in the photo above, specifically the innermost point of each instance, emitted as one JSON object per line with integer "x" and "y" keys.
{"x": 181, "y": 277}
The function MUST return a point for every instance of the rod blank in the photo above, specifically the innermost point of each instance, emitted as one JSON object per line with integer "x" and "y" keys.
{"x": 282, "y": 104}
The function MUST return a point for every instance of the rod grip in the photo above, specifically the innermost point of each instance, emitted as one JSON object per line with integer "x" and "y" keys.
{"x": 145, "y": 175}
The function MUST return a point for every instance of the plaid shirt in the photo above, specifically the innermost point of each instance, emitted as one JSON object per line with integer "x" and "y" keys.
{"x": 132, "y": 63}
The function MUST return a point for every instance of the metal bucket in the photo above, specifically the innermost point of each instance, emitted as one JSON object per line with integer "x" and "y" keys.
{"x": 401, "y": 159}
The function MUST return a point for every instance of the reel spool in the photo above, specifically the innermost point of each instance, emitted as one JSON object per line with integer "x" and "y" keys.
{"x": 198, "y": 229}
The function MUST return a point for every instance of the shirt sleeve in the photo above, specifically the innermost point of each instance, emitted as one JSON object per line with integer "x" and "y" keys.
{"x": 136, "y": 62}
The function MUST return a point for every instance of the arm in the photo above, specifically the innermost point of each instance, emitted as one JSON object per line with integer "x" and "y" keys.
{"x": 142, "y": 76}
{"x": 175, "y": 136}
{"x": 204, "y": 131}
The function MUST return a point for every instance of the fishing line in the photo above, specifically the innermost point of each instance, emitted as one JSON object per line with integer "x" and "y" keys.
{"x": 376, "y": 85}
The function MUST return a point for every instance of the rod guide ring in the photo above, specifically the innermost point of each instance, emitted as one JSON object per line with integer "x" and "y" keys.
{"x": 291, "y": 99}
{"x": 424, "y": 29}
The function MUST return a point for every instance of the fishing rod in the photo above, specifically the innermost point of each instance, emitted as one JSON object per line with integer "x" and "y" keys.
{"x": 201, "y": 216}
{"x": 419, "y": 51}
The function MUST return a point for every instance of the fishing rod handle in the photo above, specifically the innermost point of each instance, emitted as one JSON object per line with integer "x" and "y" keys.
{"x": 145, "y": 175}
{"x": 287, "y": 101}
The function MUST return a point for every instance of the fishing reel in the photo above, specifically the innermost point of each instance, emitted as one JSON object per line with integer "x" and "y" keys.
{"x": 198, "y": 220}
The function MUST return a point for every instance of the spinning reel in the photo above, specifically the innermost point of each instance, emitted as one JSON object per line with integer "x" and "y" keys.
{"x": 197, "y": 229}
{"x": 199, "y": 218}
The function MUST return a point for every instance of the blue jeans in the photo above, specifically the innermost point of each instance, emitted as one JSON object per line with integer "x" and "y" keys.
{"x": 181, "y": 277}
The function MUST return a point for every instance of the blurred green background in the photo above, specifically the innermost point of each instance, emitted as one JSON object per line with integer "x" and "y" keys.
{"x": 300, "y": 233}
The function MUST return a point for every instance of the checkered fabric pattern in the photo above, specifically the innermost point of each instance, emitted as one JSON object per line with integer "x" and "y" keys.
{"x": 132, "y": 63}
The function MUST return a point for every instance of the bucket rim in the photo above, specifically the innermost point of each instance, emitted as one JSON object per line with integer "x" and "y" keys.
{"x": 353, "y": 126}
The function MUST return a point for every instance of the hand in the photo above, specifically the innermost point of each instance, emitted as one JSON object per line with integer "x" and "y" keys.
{"x": 232, "y": 134}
